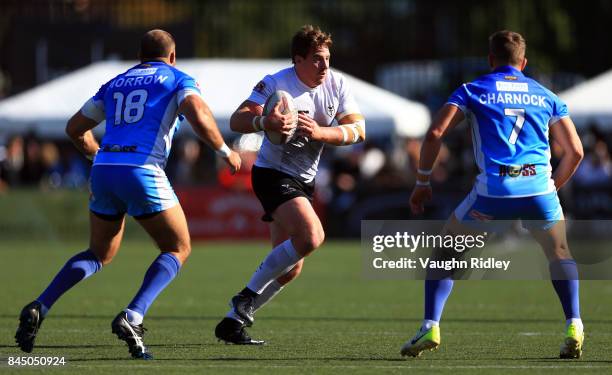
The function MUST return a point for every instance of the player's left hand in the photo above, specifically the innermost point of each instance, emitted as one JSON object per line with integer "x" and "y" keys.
{"x": 233, "y": 161}
{"x": 308, "y": 127}
{"x": 420, "y": 195}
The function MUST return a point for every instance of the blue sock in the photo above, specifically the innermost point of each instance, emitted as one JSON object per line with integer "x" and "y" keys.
{"x": 436, "y": 294}
{"x": 564, "y": 276}
{"x": 77, "y": 268}
{"x": 163, "y": 269}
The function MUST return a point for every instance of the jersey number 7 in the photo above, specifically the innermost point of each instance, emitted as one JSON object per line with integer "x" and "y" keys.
{"x": 519, "y": 113}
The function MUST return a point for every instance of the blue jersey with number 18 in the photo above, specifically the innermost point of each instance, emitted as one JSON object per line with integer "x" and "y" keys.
{"x": 510, "y": 115}
{"x": 140, "y": 107}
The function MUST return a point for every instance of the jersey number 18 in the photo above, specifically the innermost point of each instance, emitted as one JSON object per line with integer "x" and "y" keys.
{"x": 131, "y": 109}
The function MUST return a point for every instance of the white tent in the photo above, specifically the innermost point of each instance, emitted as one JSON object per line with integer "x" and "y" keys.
{"x": 225, "y": 84}
{"x": 591, "y": 101}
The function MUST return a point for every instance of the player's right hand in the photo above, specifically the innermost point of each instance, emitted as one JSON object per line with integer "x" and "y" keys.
{"x": 278, "y": 122}
{"x": 233, "y": 161}
{"x": 420, "y": 195}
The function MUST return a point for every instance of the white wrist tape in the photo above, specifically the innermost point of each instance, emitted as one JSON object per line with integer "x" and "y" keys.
{"x": 353, "y": 133}
{"x": 344, "y": 135}
{"x": 422, "y": 183}
{"x": 424, "y": 172}
{"x": 224, "y": 151}
{"x": 258, "y": 123}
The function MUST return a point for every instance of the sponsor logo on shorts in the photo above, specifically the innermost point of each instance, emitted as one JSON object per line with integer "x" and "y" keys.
{"x": 287, "y": 189}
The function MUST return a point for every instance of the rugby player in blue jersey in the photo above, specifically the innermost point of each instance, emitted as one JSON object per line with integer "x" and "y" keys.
{"x": 510, "y": 117}
{"x": 141, "y": 107}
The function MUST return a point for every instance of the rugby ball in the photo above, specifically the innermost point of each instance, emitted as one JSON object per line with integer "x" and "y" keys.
{"x": 287, "y": 106}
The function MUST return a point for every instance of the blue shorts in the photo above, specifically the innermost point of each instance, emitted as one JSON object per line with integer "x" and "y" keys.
{"x": 536, "y": 212}
{"x": 119, "y": 189}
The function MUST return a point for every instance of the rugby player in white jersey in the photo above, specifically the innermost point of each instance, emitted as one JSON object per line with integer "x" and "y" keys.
{"x": 284, "y": 175}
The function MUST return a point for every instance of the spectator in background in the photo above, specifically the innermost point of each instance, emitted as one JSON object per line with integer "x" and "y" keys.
{"x": 184, "y": 168}
{"x": 596, "y": 169}
{"x": 12, "y": 164}
{"x": 33, "y": 168}
{"x": 50, "y": 159}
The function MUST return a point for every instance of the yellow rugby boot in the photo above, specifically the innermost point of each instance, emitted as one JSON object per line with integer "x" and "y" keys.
{"x": 572, "y": 345}
{"x": 422, "y": 341}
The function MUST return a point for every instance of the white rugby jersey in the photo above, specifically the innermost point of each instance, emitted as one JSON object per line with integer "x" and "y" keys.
{"x": 331, "y": 100}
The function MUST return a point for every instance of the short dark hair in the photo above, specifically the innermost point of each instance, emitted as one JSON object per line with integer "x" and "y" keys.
{"x": 507, "y": 47}
{"x": 156, "y": 43}
{"x": 308, "y": 37}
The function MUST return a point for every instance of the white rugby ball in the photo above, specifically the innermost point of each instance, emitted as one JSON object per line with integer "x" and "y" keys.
{"x": 287, "y": 106}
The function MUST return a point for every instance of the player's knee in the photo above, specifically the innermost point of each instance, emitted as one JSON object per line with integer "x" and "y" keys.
{"x": 184, "y": 250}
{"x": 105, "y": 256}
{"x": 560, "y": 251}
{"x": 311, "y": 240}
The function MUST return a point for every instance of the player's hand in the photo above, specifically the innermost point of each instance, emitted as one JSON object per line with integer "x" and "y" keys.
{"x": 233, "y": 161}
{"x": 308, "y": 127}
{"x": 420, "y": 195}
{"x": 276, "y": 121}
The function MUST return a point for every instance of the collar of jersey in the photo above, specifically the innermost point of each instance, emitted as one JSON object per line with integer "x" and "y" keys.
{"x": 152, "y": 62}
{"x": 301, "y": 84}
{"x": 508, "y": 69}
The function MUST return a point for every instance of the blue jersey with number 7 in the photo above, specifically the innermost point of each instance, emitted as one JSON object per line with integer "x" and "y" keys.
{"x": 140, "y": 107}
{"x": 509, "y": 115}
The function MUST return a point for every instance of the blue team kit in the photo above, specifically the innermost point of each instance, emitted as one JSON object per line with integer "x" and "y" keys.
{"x": 510, "y": 115}
{"x": 140, "y": 109}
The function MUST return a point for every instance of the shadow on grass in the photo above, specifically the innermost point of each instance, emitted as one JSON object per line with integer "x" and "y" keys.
{"x": 294, "y": 318}
{"x": 251, "y": 359}
{"x": 302, "y": 359}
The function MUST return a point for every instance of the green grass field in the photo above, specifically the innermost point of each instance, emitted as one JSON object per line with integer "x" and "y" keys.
{"x": 331, "y": 320}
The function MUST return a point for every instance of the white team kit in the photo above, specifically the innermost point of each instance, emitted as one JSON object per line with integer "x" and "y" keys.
{"x": 332, "y": 100}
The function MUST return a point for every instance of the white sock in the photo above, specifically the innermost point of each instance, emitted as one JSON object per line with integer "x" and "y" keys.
{"x": 576, "y": 321}
{"x": 271, "y": 290}
{"x": 427, "y": 324}
{"x": 134, "y": 317}
{"x": 232, "y": 315}
{"x": 280, "y": 260}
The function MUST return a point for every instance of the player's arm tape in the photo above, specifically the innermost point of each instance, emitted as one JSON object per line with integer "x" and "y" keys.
{"x": 94, "y": 110}
{"x": 353, "y": 133}
{"x": 184, "y": 93}
{"x": 423, "y": 183}
{"x": 258, "y": 123}
{"x": 224, "y": 151}
{"x": 424, "y": 172}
